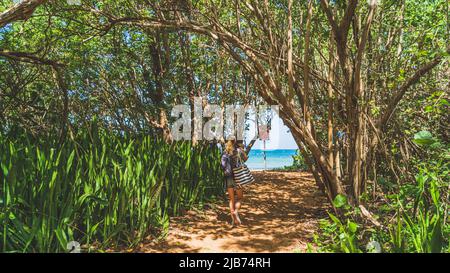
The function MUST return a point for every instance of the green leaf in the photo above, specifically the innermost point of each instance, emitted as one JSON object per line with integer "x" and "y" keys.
{"x": 353, "y": 227}
{"x": 437, "y": 238}
{"x": 424, "y": 138}
{"x": 444, "y": 102}
{"x": 340, "y": 201}
{"x": 12, "y": 216}
{"x": 335, "y": 219}
{"x": 70, "y": 161}
{"x": 429, "y": 109}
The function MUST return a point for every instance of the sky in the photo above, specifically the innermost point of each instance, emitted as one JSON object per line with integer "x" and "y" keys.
{"x": 280, "y": 136}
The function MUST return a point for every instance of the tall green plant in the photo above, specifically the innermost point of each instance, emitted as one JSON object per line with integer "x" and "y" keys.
{"x": 101, "y": 190}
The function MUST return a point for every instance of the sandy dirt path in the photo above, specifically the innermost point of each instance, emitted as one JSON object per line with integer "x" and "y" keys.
{"x": 280, "y": 213}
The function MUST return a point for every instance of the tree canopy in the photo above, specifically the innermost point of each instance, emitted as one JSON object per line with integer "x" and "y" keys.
{"x": 372, "y": 72}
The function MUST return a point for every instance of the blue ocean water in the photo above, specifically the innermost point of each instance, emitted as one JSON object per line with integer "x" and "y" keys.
{"x": 274, "y": 158}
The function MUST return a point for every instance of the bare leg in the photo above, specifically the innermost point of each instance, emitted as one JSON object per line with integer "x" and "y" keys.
{"x": 232, "y": 204}
{"x": 237, "y": 205}
{"x": 239, "y": 197}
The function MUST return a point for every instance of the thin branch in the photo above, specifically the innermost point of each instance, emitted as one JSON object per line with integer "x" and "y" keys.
{"x": 423, "y": 70}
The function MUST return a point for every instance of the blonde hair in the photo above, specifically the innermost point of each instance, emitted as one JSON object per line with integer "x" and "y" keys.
{"x": 229, "y": 147}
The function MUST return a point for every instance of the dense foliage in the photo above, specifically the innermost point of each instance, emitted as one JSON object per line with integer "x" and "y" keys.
{"x": 413, "y": 213}
{"x": 98, "y": 189}
{"x": 362, "y": 85}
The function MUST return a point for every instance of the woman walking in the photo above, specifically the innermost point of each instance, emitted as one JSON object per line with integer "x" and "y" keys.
{"x": 230, "y": 160}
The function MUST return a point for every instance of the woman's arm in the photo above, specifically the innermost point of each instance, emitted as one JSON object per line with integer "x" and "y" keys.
{"x": 244, "y": 155}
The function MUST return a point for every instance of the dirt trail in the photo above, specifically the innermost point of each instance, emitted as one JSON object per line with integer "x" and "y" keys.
{"x": 280, "y": 213}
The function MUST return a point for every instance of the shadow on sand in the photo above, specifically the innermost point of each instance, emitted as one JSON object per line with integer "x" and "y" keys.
{"x": 280, "y": 213}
